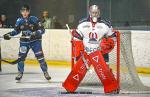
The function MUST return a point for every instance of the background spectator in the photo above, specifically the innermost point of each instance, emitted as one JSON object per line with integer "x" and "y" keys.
{"x": 56, "y": 24}
{"x": 46, "y": 21}
{"x": 4, "y": 21}
{"x": 127, "y": 24}
{"x": 1, "y": 24}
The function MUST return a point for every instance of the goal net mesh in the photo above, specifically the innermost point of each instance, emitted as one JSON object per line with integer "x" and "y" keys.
{"x": 129, "y": 78}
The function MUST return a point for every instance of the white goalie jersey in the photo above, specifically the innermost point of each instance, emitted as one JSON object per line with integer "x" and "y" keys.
{"x": 92, "y": 34}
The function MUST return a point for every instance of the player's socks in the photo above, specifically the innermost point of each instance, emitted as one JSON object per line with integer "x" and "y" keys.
{"x": 46, "y": 75}
{"x": 19, "y": 76}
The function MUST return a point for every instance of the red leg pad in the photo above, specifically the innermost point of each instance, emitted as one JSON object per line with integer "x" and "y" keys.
{"x": 76, "y": 75}
{"x": 102, "y": 70}
{"x": 77, "y": 48}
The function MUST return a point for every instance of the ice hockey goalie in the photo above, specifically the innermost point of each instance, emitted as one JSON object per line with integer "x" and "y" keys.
{"x": 93, "y": 40}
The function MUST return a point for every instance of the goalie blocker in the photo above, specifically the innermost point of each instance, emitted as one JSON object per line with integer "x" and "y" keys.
{"x": 97, "y": 60}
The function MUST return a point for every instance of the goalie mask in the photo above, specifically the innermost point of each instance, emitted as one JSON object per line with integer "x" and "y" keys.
{"x": 94, "y": 12}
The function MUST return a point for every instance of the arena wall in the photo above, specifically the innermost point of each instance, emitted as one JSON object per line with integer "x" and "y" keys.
{"x": 57, "y": 46}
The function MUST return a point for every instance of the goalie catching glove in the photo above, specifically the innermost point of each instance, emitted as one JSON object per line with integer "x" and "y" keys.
{"x": 107, "y": 45}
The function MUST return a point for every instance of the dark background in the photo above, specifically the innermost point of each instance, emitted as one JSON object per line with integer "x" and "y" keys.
{"x": 135, "y": 12}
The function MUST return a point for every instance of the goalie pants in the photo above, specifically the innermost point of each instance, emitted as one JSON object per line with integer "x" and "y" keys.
{"x": 36, "y": 48}
{"x": 103, "y": 72}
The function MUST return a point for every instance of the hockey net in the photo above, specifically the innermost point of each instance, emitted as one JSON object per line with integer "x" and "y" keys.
{"x": 121, "y": 62}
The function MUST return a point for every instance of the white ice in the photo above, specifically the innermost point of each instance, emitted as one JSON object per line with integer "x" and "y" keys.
{"x": 34, "y": 84}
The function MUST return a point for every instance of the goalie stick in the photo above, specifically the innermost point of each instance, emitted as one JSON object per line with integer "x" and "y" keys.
{"x": 73, "y": 59}
{"x": 69, "y": 29}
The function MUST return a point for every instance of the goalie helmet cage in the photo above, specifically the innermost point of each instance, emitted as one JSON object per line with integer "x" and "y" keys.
{"x": 121, "y": 62}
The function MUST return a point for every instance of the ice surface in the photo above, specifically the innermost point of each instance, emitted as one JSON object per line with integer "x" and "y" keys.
{"x": 34, "y": 84}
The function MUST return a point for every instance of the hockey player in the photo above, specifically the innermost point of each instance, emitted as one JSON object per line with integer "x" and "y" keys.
{"x": 90, "y": 48}
{"x": 32, "y": 31}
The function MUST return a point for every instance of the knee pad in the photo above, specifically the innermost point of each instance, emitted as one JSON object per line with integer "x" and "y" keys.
{"x": 39, "y": 55}
{"x": 23, "y": 49}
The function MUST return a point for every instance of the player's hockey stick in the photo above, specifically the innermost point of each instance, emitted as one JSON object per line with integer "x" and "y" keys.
{"x": 12, "y": 62}
{"x": 17, "y": 37}
{"x": 17, "y": 60}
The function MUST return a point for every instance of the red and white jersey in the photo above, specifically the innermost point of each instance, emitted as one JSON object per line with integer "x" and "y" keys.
{"x": 92, "y": 34}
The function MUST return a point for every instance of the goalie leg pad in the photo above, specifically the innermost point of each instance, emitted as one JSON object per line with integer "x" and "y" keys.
{"x": 102, "y": 70}
{"x": 77, "y": 48}
{"x": 76, "y": 75}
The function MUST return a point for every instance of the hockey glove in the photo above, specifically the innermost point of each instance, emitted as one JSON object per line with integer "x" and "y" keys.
{"x": 107, "y": 45}
{"x": 7, "y": 36}
{"x": 35, "y": 35}
{"x": 76, "y": 34}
